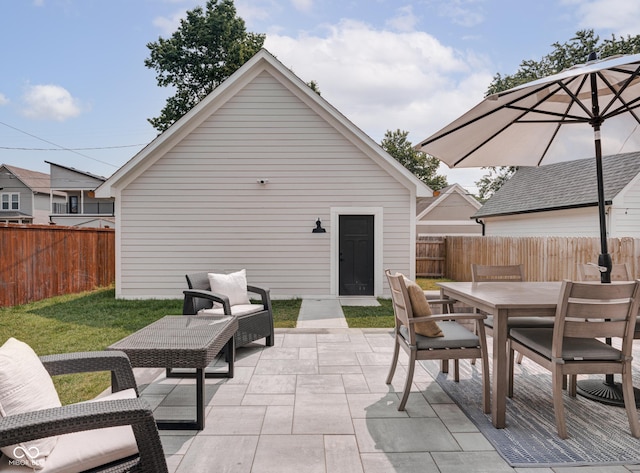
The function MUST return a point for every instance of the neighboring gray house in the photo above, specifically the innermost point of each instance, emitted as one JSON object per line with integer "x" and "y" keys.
{"x": 240, "y": 182}
{"x": 25, "y": 196}
{"x": 447, "y": 212}
{"x": 562, "y": 200}
{"x": 81, "y": 208}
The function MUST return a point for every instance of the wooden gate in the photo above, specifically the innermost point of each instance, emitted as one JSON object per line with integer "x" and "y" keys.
{"x": 430, "y": 257}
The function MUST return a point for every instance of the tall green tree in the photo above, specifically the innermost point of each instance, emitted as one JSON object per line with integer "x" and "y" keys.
{"x": 209, "y": 45}
{"x": 564, "y": 55}
{"x": 425, "y": 167}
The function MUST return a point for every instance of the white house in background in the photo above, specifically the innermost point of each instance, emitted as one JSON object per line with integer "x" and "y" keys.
{"x": 25, "y": 195}
{"x": 81, "y": 208}
{"x": 242, "y": 180}
{"x": 447, "y": 212}
{"x": 562, "y": 200}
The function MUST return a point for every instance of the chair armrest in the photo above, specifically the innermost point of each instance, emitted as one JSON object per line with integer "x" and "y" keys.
{"x": 441, "y": 301}
{"x": 188, "y": 308}
{"x": 84, "y": 362}
{"x": 265, "y": 295}
{"x": 88, "y": 416}
{"x": 454, "y": 317}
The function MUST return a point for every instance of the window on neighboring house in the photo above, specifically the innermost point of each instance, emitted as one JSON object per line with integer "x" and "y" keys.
{"x": 10, "y": 202}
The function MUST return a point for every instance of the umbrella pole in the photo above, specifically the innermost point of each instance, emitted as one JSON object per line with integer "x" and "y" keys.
{"x": 605, "y": 391}
{"x": 604, "y": 260}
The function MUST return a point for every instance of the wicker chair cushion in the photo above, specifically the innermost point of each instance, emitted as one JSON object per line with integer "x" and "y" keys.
{"x": 241, "y": 309}
{"x": 232, "y": 285}
{"x": 421, "y": 309}
{"x": 81, "y": 451}
{"x": 25, "y": 386}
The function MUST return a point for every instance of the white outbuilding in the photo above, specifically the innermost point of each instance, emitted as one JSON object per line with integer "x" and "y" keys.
{"x": 264, "y": 175}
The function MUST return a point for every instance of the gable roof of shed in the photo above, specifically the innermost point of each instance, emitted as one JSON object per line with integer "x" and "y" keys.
{"x": 566, "y": 185}
{"x": 261, "y": 61}
{"x": 425, "y": 204}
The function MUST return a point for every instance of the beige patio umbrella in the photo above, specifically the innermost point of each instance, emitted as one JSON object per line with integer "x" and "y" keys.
{"x": 542, "y": 122}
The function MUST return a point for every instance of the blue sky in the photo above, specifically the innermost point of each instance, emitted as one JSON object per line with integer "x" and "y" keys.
{"x": 74, "y": 89}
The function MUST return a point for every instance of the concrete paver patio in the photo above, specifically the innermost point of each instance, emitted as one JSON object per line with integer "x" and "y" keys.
{"x": 317, "y": 402}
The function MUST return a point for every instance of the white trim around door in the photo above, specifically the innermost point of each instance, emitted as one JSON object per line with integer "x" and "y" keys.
{"x": 378, "y": 259}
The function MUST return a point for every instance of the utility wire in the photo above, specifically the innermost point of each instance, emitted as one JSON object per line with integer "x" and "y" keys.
{"x": 72, "y": 149}
{"x": 57, "y": 145}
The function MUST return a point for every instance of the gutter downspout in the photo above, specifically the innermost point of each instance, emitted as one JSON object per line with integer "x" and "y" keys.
{"x": 480, "y": 222}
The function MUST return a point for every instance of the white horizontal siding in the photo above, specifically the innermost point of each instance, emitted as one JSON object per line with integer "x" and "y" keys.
{"x": 572, "y": 222}
{"x": 200, "y": 207}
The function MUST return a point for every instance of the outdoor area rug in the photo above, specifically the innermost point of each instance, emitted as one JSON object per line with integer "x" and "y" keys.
{"x": 598, "y": 434}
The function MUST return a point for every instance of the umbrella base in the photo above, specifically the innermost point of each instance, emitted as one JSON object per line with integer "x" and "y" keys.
{"x": 602, "y": 391}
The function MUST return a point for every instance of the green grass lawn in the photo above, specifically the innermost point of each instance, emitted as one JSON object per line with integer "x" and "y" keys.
{"x": 380, "y": 317}
{"x": 94, "y": 320}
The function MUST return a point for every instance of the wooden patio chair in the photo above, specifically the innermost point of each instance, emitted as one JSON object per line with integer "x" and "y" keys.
{"x": 573, "y": 347}
{"x": 505, "y": 273}
{"x": 590, "y": 272}
{"x": 456, "y": 342}
{"x": 619, "y": 272}
{"x": 493, "y": 273}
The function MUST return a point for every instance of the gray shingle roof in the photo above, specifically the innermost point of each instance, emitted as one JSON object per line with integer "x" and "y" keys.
{"x": 563, "y": 185}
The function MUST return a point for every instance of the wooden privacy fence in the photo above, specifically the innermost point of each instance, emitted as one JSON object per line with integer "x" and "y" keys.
{"x": 431, "y": 255}
{"x": 544, "y": 258}
{"x": 40, "y": 261}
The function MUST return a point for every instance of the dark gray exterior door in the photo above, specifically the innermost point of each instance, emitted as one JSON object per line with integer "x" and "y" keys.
{"x": 356, "y": 255}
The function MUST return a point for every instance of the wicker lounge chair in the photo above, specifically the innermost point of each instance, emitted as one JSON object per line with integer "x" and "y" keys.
{"x": 254, "y": 323}
{"x": 78, "y": 419}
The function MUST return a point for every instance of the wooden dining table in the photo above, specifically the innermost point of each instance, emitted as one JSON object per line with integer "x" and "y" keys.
{"x": 504, "y": 300}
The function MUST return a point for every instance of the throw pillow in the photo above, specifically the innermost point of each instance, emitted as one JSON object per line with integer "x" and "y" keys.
{"x": 232, "y": 285}
{"x": 421, "y": 309}
{"x": 25, "y": 386}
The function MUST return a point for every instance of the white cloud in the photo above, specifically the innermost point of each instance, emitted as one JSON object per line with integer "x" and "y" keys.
{"x": 252, "y": 11}
{"x": 302, "y": 5}
{"x": 463, "y": 12}
{"x": 169, "y": 24}
{"x": 383, "y": 80}
{"x": 50, "y": 102}
{"x": 405, "y": 20}
{"x": 621, "y": 17}
{"x": 3, "y": 99}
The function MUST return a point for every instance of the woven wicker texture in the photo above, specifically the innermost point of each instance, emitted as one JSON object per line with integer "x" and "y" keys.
{"x": 178, "y": 341}
{"x": 251, "y": 327}
{"x": 94, "y": 415}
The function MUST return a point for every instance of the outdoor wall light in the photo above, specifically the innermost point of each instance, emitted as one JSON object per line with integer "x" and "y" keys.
{"x": 318, "y": 228}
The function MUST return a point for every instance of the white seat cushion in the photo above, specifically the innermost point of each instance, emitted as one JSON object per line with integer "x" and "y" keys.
{"x": 25, "y": 386}
{"x": 80, "y": 451}
{"x": 237, "y": 310}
